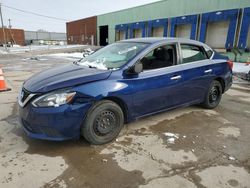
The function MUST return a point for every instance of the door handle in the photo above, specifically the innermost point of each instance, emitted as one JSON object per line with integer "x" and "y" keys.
{"x": 176, "y": 77}
{"x": 208, "y": 71}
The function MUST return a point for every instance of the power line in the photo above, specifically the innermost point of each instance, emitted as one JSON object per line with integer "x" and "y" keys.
{"x": 21, "y": 17}
{"x": 36, "y": 14}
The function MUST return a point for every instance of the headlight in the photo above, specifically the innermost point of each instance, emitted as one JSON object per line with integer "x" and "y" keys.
{"x": 54, "y": 99}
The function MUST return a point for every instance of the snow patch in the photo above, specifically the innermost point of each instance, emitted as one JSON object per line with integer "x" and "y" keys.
{"x": 241, "y": 68}
{"x": 171, "y": 137}
{"x": 21, "y": 49}
{"x": 93, "y": 64}
{"x": 231, "y": 158}
{"x": 77, "y": 55}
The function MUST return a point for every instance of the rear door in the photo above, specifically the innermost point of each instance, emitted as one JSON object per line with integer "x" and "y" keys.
{"x": 197, "y": 72}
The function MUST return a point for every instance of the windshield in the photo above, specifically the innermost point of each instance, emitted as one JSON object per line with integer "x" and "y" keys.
{"x": 112, "y": 56}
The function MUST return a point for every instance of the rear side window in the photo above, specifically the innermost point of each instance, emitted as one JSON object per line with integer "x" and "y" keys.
{"x": 191, "y": 53}
{"x": 208, "y": 51}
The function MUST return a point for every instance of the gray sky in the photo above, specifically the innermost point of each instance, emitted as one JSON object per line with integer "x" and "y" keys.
{"x": 66, "y": 9}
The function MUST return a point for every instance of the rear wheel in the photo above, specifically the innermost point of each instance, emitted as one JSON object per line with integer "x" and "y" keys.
{"x": 103, "y": 122}
{"x": 213, "y": 95}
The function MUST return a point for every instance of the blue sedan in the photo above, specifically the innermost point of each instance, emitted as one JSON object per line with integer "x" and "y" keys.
{"x": 95, "y": 96}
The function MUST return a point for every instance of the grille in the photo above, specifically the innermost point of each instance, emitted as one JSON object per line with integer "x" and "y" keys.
{"x": 41, "y": 130}
{"x": 31, "y": 128}
{"x": 25, "y": 94}
{"x": 50, "y": 132}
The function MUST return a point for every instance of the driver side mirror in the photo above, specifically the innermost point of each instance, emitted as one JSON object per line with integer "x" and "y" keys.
{"x": 135, "y": 69}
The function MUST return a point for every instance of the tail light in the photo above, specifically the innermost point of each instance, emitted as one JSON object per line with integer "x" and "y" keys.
{"x": 230, "y": 64}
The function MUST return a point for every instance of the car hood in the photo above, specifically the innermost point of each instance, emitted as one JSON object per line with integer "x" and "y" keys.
{"x": 62, "y": 77}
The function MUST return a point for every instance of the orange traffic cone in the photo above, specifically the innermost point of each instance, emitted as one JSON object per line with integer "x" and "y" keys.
{"x": 3, "y": 85}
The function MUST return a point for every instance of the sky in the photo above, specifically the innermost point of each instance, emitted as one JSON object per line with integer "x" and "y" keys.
{"x": 65, "y": 9}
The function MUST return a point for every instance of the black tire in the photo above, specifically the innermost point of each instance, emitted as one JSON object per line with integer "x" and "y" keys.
{"x": 103, "y": 122}
{"x": 213, "y": 95}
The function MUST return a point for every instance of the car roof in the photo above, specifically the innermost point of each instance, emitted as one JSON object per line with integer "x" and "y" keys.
{"x": 152, "y": 40}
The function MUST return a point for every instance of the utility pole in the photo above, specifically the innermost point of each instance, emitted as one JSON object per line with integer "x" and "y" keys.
{"x": 11, "y": 34}
{"x": 4, "y": 37}
{"x": 9, "y": 23}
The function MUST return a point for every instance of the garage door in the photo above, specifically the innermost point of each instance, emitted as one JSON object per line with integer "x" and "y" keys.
{"x": 248, "y": 38}
{"x": 137, "y": 33}
{"x": 122, "y": 35}
{"x": 217, "y": 34}
{"x": 158, "y": 32}
{"x": 183, "y": 31}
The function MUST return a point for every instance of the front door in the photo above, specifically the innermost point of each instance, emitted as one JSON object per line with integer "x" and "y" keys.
{"x": 159, "y": 85}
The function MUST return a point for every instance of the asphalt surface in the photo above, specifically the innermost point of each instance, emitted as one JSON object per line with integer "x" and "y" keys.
{"x": 187, "y": 147}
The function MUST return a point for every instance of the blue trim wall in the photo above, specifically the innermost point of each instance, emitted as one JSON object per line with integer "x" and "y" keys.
{"x": 122, "y": 27}
{"x": 231, "y": 15}
{"x": 190, "y": 19}
{"x": 158, "y": 23}
{"x": 242, "y": 44}
{"x": 137, "y": 25}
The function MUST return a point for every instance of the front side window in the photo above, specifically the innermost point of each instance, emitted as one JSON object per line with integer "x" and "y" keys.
{"x": 160, "y": 57}
{"x": 113, "y": 56}
{"x": 191, "y": 53}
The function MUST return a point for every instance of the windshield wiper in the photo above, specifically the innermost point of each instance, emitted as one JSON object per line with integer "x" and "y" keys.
{"x": 76, "y": 62}
{"x": 92, "y": 67}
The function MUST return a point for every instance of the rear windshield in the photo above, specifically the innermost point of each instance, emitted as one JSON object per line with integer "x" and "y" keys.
{"x": 113, "y": 56}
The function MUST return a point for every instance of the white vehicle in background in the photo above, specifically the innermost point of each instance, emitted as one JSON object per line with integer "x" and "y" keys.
{"x": 242, "y": 70}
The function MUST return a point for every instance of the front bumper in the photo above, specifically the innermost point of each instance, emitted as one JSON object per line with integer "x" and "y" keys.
{"x": 53, "y": 123}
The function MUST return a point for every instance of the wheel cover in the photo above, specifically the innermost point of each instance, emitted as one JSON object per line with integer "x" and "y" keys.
{"x": 105, "y": 123}
{"x": 214, "y": 94}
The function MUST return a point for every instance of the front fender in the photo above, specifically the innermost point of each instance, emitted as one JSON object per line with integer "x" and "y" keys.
{"x": 107, "y": 89}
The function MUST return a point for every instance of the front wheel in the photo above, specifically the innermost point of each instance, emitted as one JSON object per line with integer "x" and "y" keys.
{"x": 213, "y": 95}
{"x": 103, "y": 122}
